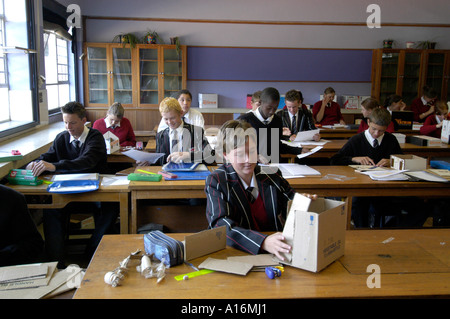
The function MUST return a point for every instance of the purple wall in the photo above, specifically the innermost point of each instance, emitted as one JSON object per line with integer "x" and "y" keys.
{"x": 232, "y": 73}
{"x": 253, "y": 64}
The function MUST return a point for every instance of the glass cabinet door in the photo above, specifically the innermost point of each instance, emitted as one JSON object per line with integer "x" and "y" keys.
{"x": 122, "y": 75}
{"x": 435, "y": 71}
{"x": 389, "y": 72}
{"x": 98, "y": 75}
{"x": 148, "y": 78}
{"x": 173, "y": 72}
{"x": 411, "y": 77}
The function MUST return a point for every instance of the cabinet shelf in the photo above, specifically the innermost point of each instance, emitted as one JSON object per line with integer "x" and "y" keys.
{"x": 145, "y": 79}
{"x": 405, "y": 72}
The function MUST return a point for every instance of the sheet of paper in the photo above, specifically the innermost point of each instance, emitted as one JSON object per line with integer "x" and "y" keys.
{"x": 23, "y": 272}
{"x": 290, "y": 170}
{"x": 315, "y": 149}
{"x": 427, "y": 176}
{"x": 115, "y": 180}
{"x": 388, "y": 175}
{"x": 231, "y": 267}
{"x": 75, "y": 177}
{"x": 31, "y": 283}
{"x": 143, "y": 156}
{"x": 306, "y": 135}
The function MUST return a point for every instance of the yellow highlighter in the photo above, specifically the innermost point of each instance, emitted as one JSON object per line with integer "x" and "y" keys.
{"x": 146, "y": 172}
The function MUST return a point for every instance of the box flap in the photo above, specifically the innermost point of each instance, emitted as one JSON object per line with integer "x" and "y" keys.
{"x": 110, "y": 135}
{"x": 204, "y": 242}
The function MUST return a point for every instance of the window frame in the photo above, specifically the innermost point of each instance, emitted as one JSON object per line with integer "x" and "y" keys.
{"x": 33, "y": 73}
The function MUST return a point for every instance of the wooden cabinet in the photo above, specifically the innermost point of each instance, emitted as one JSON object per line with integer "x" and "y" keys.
{"x": 405, "y": 72}
{"x": 137, "y": 77}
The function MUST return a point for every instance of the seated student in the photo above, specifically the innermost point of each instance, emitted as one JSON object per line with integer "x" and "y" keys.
{"x": 268, "y": 125}
{"x": 245, "y": 197}
{"x": 374, "y": 146}
{"x": 180, "y": 141}
{"x": 433, "y": 124}
{"x": 115, "y": 123}
{"x": 256, "y": 100}
{"x": 189, "y": 116}
{"x": 327, "y": 112}
{"x": 20, "y": 241}
{"x": 394, "y": 102}
{"x": 294, "y": 117}
{"x": 77, "y": 150}
{"x": 424, "y": 106}
{"x": 367, "y": 106}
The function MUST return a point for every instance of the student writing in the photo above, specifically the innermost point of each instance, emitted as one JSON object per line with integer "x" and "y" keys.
{"x": 180, "y": 141}
{"x": 116, "y": 123}
{"x": 295, "y": 117}
{"x": 78, "y": 149}
{"x": 189, "y": 115}
{"x": 424, "y": 106}
{"x": 269, "y": 128}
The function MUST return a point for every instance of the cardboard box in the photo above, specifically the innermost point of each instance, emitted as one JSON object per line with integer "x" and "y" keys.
{"x": 409, "y": 162}
{"x": 315, "y": 229}
{"x": 112, "y": 142}
{"x": 423, "y": 140}
{"x": 205, "y": 242}
{"x": 207, "y": 101}
{"x": 401, "y": 138}
{"x": 445, "y": 131}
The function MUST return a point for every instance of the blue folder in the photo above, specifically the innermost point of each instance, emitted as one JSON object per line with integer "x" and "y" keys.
{"x": 73, "y": 187}
{"x": 193, "y": 175}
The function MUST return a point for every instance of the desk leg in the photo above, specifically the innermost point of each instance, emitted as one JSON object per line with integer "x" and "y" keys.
{"x": 124, "y": 205}
{"x": 133, "y": 229}
{"x": 349, "y": 212}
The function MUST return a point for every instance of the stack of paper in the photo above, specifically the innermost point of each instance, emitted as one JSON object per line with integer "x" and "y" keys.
{"x": 387, "y": 175}
{"x": 290, "y": 170}
{"x": 36, "y": 281}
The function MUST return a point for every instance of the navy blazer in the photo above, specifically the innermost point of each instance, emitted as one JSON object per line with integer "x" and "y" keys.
{"x": 227, "y": 204}
{"x": 305, "y": 121}
{"x": 198, "y": 144}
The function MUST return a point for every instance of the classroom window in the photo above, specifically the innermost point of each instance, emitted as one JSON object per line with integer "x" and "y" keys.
{"x": 58, "y": 71}
{"x": 18, "y": 93}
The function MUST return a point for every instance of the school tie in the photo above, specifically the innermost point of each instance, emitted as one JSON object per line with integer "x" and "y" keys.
{"x": 294, "y": 125}
{"x": 375, "y": 143}
{"x": 175, "y": 141}
{"x": 76, "y": 144}
{"x": 250, "y": 196}
{"x": 266, "y": 122}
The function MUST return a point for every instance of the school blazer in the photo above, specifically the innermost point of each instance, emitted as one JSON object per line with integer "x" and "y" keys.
{"x": 227, "y": 205}
{"x": 199, "y": 146}
{"x": 305, "y": 121}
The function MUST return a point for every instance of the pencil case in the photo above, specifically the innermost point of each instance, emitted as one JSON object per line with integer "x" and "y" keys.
{"x": 144, "y": 177}
{"x": 166, "y": 249}
{"x": 23, "y": 177}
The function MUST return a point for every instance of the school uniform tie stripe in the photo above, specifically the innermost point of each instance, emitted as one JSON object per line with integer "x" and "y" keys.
{"x": 175, "y": 141}
{"x": 250, "y": 196}
{"x": 375, "y": 143}
{"x": 76, "y": 144}
{"x": 294, "y": 125}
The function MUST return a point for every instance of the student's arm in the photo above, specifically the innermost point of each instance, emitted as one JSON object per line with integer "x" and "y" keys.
{"x": 321, "y": 112}
{"x": 130, "y": 139}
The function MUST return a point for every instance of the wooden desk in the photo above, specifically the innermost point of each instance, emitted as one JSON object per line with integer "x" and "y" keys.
{"x": 416, "y": 263}
{"x": 345, "y": 133}
{"x": 333, "y": 146}
{"x": 355, "y": 185}
{"x": 38, "y": 198}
